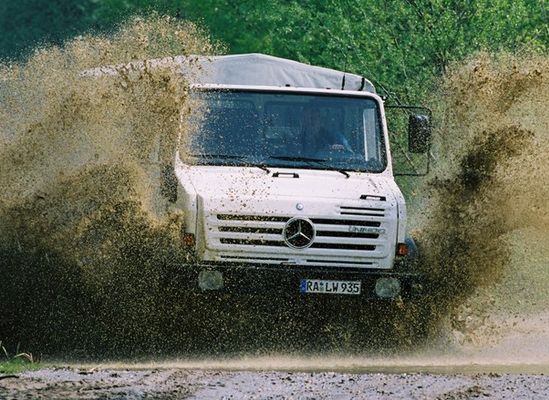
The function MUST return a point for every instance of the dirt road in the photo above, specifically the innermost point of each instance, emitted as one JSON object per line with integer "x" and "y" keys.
{"x": 174, "y": 383}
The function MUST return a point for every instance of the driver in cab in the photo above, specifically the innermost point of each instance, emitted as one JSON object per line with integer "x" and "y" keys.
{"x": 318, "y": 139}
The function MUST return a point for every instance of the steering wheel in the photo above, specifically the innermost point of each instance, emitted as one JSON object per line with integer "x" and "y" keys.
{"x": 340, "y": 149}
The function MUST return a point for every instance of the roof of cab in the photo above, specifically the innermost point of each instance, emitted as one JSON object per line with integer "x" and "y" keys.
{"x": 264, "y": 70}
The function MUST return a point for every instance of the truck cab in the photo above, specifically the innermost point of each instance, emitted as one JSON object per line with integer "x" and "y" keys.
{"x": 285, "y": 179}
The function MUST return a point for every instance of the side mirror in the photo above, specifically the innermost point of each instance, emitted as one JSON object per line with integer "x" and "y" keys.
{"x": 419, "y": 133}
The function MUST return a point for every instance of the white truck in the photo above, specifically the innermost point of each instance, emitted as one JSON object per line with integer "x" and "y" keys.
{"x": 287, "y": 186}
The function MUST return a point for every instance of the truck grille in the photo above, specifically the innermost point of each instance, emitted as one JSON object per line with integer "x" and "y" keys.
{"x": 358, "y": 232}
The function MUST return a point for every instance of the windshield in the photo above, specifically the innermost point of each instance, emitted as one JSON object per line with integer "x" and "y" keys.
{"x": 285, "y": 130}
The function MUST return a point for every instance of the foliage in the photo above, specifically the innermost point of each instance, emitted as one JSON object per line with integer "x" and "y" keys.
{"x": 16, "y": 366}
{"x": 27, "y": 23}
{"x": 400, "y": 44}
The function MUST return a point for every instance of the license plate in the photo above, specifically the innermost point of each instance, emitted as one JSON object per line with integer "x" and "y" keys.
{"x": 329, "y": 287}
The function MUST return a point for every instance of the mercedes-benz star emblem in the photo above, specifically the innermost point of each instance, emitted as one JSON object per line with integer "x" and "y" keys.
{"x": 299, "y": 206}
{"x": 299, "y": 233}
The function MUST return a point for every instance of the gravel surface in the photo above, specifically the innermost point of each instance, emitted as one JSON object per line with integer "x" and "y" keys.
{"x": 199, "y": 384}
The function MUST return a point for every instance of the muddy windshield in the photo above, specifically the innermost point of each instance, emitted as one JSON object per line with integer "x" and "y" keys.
{"x": 286, "y": 130}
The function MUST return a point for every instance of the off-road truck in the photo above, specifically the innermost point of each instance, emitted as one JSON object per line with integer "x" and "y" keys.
{"x": 286, "y": 182}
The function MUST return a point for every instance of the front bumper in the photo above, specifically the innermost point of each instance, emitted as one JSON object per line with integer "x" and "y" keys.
{"x": 284, "y": 281}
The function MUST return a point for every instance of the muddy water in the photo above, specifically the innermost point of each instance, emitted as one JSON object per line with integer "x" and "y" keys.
{"x": 90, "y": 254}
{"x": 177, "y": 384}
{"x": 487, "y": 228}
{"x": 87, "y": 245}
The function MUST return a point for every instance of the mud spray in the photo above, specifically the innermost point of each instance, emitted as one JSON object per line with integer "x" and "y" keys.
{"x": 486, "y": 233}
{"x": 86, "y": 245}
{"x": 90, "y": 257}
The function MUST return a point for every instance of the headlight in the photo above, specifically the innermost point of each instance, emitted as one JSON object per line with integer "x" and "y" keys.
{"x": 210, "y": 280}
{"x": 388, "y": 288}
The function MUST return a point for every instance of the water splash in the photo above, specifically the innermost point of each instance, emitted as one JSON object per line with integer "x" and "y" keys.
{"x": 487, "y": 203}
{"x": 90, "y": 256}
{"x": 87, "y": 240}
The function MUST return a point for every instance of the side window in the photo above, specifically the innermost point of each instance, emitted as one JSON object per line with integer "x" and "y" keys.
{"x": 371, "y": 141}
{"x": 354, "y": 130}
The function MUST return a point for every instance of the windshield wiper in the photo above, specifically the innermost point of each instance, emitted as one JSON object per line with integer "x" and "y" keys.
{"x": 319, "y": 161}
{"x": 232, "y": 157}
{"x": 297, "y": 158}
{"x": 213, "y": 155}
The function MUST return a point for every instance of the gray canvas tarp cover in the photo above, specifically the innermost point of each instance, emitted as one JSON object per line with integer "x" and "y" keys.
{"x": 263, "y": 70}
{"x": 250, "y": 69}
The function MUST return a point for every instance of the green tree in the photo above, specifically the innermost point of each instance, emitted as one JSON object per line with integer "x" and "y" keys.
{"x": 399, "y": 44}
{"x": 27, "y": 23}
